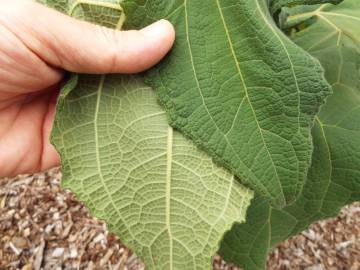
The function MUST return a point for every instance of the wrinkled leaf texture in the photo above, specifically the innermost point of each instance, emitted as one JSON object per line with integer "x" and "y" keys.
{"x": 239, "y": 88}
{"x": 164, "y": 197}
{"x": 334, "y": 177}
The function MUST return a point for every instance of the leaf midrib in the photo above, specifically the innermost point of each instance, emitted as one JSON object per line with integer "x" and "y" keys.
{"x": 245, "y": 87}
{"x": 202, "y": 97}
{"x": 93, "y": 3}
{"x": 169, "y": 158}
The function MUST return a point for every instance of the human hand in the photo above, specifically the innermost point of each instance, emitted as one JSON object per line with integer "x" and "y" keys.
{"x": 36, "y": 45}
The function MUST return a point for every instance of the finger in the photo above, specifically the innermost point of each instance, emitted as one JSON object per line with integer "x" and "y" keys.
{"x": 79, "y": 46}
{"x": 25, "y": 146}
{"x": 50, "y": 157}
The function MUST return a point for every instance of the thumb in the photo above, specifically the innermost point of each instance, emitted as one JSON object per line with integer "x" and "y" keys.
{"x": 78, "y": 46}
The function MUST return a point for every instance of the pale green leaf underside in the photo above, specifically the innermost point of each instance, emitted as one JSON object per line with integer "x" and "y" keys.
{"x": 104, "y": 12}
{"x": 239, "y": 89}
{"x": 166, "y": 199}
{"x": 334, "y": 177}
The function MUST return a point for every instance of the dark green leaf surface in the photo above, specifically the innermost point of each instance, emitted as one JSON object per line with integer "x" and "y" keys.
{"x": 155, "y": 189}
{"x": 239, "y": 89}
{"x": 334, "y": 177}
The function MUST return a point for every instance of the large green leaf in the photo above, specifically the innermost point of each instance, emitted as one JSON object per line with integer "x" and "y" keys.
{"x": 334, "y": 177}
{"x": 165, "y": 198}
{"x": 239, "y": 88}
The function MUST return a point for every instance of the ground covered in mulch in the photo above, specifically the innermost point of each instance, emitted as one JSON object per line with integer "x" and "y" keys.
{"x": 44, "y": 227}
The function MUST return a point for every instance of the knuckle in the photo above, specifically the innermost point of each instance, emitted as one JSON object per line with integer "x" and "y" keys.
{"x": 113, "y": 48}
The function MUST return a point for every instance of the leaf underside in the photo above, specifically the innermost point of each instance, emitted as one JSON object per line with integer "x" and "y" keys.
{"x": 334, "y": 177}
{"x": 239, "y": 88}
{"x": 165, "y": 198}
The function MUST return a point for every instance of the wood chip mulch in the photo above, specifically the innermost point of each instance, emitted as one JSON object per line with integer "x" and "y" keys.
{"x": 44, "y": 227}
{"x": 332, "y": 244}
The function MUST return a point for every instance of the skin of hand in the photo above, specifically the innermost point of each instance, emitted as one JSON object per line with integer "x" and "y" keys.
{"x": 37, "y": 45}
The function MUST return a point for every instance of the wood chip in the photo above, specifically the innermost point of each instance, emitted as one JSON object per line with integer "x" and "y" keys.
{"x": 38, "y": 255}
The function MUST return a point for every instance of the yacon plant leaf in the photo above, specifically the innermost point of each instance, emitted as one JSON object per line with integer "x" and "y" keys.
{"x": 334, "y": 177}
{"x": 164, "y": 197}
{"x": 239, "y": 88}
